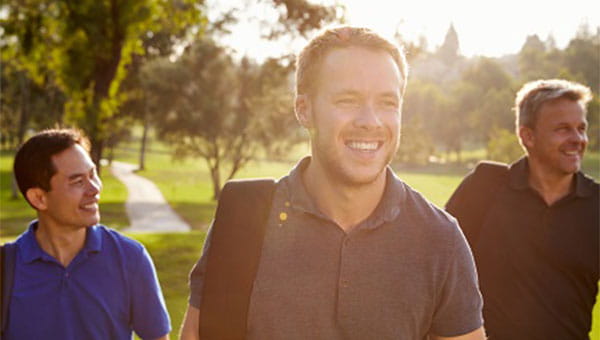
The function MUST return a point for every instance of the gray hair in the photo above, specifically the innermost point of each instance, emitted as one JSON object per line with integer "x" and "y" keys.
{"x": 533, "y": 95}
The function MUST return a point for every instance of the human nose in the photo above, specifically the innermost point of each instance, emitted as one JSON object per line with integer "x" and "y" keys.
{"x": 368, "y": 117}
{"x": 95, "y": 186}
{"x": 580, "y": 136}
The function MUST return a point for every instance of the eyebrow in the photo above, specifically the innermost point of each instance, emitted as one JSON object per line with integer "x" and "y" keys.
{"x": 80, "y": 174}
{"x": 357, "y": 93}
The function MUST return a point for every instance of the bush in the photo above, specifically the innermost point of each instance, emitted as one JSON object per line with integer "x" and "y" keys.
{"x": 504, "y": 146}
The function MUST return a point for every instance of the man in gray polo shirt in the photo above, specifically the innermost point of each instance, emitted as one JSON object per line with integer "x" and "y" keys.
{"x": 350, "y": 251}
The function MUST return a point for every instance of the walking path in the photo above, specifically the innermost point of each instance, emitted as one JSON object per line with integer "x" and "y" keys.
{"x": 147, "y": 209}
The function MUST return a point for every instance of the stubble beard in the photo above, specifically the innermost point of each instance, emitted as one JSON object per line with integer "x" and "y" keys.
{"x": 337, "y": 172}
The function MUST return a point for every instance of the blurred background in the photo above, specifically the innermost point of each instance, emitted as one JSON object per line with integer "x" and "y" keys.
{"x": 197, "y": 92}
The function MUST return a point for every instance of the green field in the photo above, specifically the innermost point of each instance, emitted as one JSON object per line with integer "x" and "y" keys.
{"x": 186, "y": 186}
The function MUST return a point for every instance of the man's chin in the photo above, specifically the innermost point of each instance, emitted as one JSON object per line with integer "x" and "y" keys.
{"x": 364, "y": 178}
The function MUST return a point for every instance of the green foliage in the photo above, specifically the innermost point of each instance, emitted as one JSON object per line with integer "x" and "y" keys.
{"x": 300, "y": 16}
{"x": 504, "y": 146}
{"x": 208, "y": 106}
{"x": 84, "y": 48}
{"x": 15, "y": 213}
{"x": 415, "y": 145}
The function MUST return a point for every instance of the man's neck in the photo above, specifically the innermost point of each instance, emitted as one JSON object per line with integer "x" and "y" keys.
{"x": 345, "y": 204}
{"x": 551, "y": 186}
{"x": 61, "y": 243}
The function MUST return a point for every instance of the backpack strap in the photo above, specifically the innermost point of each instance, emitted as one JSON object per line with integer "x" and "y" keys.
{"x": 233, "y": 257}
{"x": 7, "y": 268}
{"x": 475, "y": 196}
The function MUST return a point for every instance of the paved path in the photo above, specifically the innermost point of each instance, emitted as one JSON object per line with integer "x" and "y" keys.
{"x": 147, "y": 209}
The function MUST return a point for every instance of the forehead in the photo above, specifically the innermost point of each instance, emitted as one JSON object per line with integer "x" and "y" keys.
{"x": 359, "y": 69}
{"x": 561, "y": 110}
{"x": 72, "y": 160}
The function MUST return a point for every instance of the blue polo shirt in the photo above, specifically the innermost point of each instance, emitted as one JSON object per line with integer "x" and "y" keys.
{"x": 109, "y": 290}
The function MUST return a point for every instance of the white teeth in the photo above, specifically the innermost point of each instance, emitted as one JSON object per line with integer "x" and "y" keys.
{"x": 90, "y": 206}
{"x": 572, "y": 153}
{"x": 363, "y": 146}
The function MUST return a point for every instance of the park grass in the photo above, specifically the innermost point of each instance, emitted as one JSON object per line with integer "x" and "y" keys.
{"x": 15, "y": 213}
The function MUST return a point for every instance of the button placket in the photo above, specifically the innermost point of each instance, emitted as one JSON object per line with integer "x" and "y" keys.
{"x": 343, "y": 281}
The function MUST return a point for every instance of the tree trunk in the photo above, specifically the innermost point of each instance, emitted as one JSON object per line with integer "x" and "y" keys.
{"x": 23, "y": 120}
{"x": 142, "y": 165}
{"x": 216, "y": 180}
{"x": 96, "y": 152}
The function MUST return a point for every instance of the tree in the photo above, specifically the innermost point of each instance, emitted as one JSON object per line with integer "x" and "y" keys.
{"x": 582, "y": 57}
{"x": 209, "y": 106}
{"x": 503, "y": 146}
{"x": 87, "y": 45}
{"x": 415, "y": 144}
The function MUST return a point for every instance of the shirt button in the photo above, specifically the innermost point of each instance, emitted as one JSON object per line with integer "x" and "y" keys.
{"x": 345, "y": 283}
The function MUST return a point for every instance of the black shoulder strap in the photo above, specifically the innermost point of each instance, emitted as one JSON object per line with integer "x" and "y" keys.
{"x": 475, "y": 196}
{"x": 233, "y": 257}
{"x": 7, "y": 268}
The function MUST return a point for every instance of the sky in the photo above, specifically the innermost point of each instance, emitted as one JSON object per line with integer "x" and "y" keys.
{"x": 489, "y": 28}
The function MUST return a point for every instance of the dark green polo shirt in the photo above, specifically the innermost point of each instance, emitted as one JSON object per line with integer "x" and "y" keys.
{"x": 538, "y": 264}
{"x": 402, "y": 273}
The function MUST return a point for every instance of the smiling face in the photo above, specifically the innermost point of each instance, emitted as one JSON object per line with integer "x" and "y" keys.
{"x": 72, "y": 201}
{"x": 353, "y": 114}
{"x": 558, "y": 139}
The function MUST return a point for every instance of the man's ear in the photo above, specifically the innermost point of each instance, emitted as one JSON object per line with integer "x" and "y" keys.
{"x": 37, "y": 198}
{"x": 302, "y": 108}
{"x": 527, "y": 136}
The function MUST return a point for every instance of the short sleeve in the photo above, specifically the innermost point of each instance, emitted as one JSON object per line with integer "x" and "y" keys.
{"x": 150, "y": 319}
{"x": 459, "y": 308}
{"x": 198, "y": 272}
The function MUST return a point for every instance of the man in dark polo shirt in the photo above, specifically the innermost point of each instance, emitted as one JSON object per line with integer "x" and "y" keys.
{"x": 536, "y": 240}
{"x": 351, "y": 251}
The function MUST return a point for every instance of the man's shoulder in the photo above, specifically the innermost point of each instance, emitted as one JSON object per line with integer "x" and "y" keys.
{"x": 118, "y": 239}
{"x": 417, "y": 207}
{"x": 589, "y": 180}
{"x": 427, "y": 223}
{"x": 490, "y": 170}
{"x": 588, "y": 187}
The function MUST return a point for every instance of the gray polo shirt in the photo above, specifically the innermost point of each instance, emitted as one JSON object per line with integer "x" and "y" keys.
{"x": 402, "y": 273}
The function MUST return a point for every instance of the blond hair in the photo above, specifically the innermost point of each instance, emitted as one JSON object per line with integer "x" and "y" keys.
{"x": 310, "y": 58}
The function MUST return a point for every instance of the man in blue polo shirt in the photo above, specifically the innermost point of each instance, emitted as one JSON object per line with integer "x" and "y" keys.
{"x": 73, "y": 278}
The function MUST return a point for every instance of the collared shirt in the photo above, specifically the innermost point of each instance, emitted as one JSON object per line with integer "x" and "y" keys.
{"x": 109, "y": 289}
{"x": 403, "y": 272}
{"x": 538, "y": 264}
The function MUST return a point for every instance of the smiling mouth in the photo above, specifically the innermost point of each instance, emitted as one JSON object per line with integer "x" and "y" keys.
{"x": 363, "y": 146}
{"x": 90, "y": 206}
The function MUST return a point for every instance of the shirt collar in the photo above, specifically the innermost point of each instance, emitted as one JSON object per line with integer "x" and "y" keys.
{"x": 387, "y": 209}
{"x": 519, "y": 179}
{"x": 31, "y": 251}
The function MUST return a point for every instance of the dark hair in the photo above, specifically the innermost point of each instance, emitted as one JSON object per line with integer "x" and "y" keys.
{"x": 33, "y": 167}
